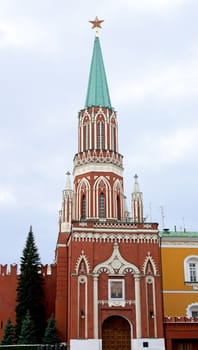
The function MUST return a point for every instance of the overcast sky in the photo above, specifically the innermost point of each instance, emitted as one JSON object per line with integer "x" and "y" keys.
{"x": 150, "y": 52}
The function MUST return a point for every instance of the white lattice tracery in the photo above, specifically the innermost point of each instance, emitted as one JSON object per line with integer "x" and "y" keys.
{"x": 82, "y": 258}
{"x": 116, "y": 264}
{"x": 83, "y": 189}
{"x": 102, "y": 185}
{"x": 149, "y": 261}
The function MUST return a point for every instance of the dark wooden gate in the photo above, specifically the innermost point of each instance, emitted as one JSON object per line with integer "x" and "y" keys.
{"x": 184, "y": 344}
{"x": 116, "y": 334}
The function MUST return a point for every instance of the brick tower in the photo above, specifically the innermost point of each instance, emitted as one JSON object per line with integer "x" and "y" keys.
{"x": 108, "y": 293}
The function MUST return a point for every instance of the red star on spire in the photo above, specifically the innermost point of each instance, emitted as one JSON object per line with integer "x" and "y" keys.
{"x": 96, "y": 22}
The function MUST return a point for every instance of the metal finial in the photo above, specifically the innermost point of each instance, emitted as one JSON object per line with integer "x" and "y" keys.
{"x": 96, "y": 23}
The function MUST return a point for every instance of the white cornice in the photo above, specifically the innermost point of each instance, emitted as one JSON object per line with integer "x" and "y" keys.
{"x": 179, "y": 291}
{"x": 178, "y": 245}
{"x": 97, "y": 167}
{"x": 112, "y": 230}
{"x": 112, "y": 237}
{"x": 61, "y": 245}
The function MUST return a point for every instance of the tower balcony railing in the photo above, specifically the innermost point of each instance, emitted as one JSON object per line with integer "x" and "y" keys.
{"x": 98, "y": 156}
{"x": 115, "y": 223}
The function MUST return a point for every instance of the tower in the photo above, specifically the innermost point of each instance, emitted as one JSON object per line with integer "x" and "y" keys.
{"x": 108, "y": 293}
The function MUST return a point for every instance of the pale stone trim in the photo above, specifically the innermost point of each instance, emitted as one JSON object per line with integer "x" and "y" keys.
{"x": 61, "y": 245}
{"x": 178, "y": 245}
{"x": 179, "y": 291}
{"x": 107, "y": 194}
{"x": 151, "y": 280}
{"x": 83, "y": 279}
{"x": 137, "y": 306}
{"x": 95, "y": 305}
{"x": 82, "y": 257}
{"x": 151, "y": 260}
{"x": 98, "y": 167}
{"x": 106, "y": 302}
{"x": 190, "y": 308}
{"x": 97, "y": 237}
{"x": 109, "y": 263}
{"x": 130, "y": 229}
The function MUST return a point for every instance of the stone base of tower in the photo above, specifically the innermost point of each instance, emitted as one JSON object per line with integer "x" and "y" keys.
{"x": 136, "y": 344}
{"x": 87, "y": 344}
{"x": 148, "y": 343}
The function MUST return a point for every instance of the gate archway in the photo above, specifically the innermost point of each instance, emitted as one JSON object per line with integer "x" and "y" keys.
{"x": 116, "y": 334}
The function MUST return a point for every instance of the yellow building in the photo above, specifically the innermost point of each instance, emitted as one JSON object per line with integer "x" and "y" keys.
{"x": 179, "y": 254}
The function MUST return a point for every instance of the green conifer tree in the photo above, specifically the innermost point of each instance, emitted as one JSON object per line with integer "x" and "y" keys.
{"x": 30, "y": 293}
{"x": 27, "y": 335}
{"x": 50, "y": 336}
{"x": 9, "y": 333}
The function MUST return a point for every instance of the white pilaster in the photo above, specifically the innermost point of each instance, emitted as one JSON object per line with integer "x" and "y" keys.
{"x": 138, "y": 307}
{"x": 95, "y": 305}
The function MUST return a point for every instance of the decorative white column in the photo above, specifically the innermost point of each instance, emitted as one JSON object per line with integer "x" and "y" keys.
{"x": 95, "y": 305}
{"x": 138, "y": 307}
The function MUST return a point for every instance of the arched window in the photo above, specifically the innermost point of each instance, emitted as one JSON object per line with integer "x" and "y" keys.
{"x": 113, "y": 138}
{"x": 118, "y": 208}
{"x": 192, "y": 310}
{"x": 86, "y": 136}
{"x": 101, "y": 205}
{"x": 84, "y": 207}
{"x": 191, "y": 269}
{"x": 100, "y": 135}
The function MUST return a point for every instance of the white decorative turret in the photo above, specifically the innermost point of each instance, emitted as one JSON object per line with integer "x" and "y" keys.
{"x": 67, "y": 204}
{"x": 68, "y": 182}
{"x": 137, "y": 202}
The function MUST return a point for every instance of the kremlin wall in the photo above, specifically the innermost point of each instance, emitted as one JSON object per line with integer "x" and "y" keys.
{"x": 8, "y": 285}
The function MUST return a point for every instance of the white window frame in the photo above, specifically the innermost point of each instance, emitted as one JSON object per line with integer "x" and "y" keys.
{"x": 191, "y": 270}
{"x": 119, "y": 286}
{"x": 192, "y": 308}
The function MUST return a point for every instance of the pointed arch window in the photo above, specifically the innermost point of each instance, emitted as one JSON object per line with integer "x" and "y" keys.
{"x": 118, "y": 208}
{"x": 100, "y": 135}
{"x": 86, "y": 138}
{"x": 68, "y": 205}
{"x": 101, "y": 205}
{"x": 84, "y": 207}
{"x": 113, "y": 138}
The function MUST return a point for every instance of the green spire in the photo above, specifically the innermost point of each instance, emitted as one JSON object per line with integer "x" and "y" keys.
{"x": 97, "y": 92}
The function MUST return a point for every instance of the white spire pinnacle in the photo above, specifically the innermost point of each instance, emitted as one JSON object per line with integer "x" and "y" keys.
{"x": 136, "y": 185}
{"x": 137, "y": 202}
{"x": 68, "y": 181}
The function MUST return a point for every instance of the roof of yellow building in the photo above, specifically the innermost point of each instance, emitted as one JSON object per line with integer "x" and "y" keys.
{"x": 178, "y": 234}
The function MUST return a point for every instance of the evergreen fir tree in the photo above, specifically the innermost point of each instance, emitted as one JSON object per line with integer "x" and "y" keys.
{"x": 50, "y": 336}
{"x": 9, "y": 333}
{"x": 30, "y": 293}
{"x": 27, "y": 335}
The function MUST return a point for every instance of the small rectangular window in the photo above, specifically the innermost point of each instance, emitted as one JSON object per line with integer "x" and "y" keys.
{"x": 145, "y": 344}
